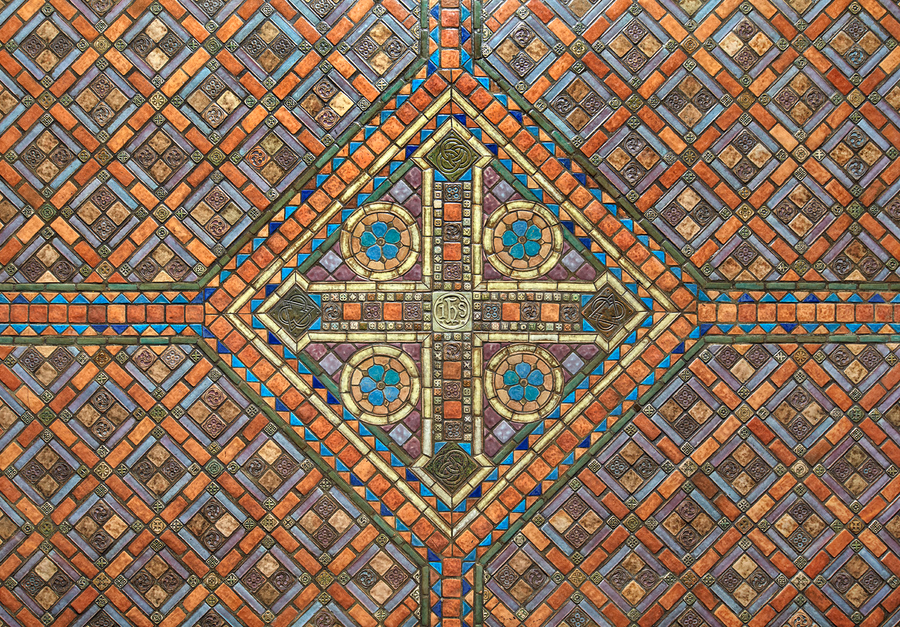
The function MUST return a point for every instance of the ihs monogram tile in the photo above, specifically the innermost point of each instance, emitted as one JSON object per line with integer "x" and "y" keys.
{"x": 462, "y": 313}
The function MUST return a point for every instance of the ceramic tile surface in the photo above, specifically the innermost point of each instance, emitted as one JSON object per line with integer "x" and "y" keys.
{"x": 472, "y": 313}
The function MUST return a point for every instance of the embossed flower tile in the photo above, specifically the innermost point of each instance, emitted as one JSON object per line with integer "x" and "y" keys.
{"x": 471, "y": 313}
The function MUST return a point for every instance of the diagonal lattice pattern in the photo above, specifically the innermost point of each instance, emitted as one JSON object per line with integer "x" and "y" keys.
{"x": 467, "y": 313}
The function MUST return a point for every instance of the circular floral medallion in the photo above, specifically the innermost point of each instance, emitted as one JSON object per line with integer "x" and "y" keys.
{"x": 380, "y": 385}
{"x": 523, "y": 239}
{"x": 380, "y": 241}
{"x": 523, "y": 382}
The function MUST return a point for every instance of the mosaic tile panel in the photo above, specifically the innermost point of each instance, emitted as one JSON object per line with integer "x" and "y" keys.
{"x": 574, "y": 313}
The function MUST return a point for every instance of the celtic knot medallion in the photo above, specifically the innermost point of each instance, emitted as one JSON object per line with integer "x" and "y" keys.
{"x": 296, "y": 312}
{"x": 451, "y": 466}
{"x": 452, "y": 156}
{"x": 607, "y": 312}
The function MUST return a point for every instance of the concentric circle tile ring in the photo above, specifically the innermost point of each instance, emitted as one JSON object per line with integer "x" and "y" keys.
{"x": 380, "y": 385}
{"x": 523, "y": 383}
{"x": 380, "y": 241}
{"x": 523, "y": 240}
